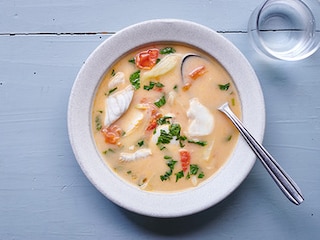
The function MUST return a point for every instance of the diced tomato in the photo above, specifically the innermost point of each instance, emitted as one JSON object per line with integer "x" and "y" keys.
{"x": 111, "y": 134}
{"x": 185, "y": 158}
{"x": 147, "y": 59}
{"x": 154, "y": 117}
{"x": 197, "y": 72}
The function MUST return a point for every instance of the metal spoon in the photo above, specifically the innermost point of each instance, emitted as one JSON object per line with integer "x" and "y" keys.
{"x": 282, "y": 179}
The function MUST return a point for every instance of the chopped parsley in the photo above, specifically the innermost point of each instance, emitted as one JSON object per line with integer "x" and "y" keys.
{"x": 98, "y": 123}
{"x": 152, "y": 85}
{"x": 112, "y": 90}
{"x": 174, "y": 130}
{"x": 229, "y": 138}
{"x": 201, "y": 175}
{"x": 135, "y": 79}
{"x": 175, "y": 87}
{"x": 170, "y": 163}
{"x": 167, "y": 50}
{"x": 201, "y": 143}
{"x": 160, "y": 102}
{"x": 113, "y": 72}
{"x": 179, "y": 175}
{"x": 164, "y": 120}
{"x": 194, "y": 169}
{"x": 108, "y": 151}
{"x": 224, "y": 87}
{"x": 164, "y": 137}
{"x": 141, "y": 143}
{"x": 132, "y": 61}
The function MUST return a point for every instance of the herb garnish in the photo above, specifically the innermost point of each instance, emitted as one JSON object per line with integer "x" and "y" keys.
{"x": 152, "y": 85}
{"x": 224, "y": 87}
{"x": 135, "y": 79}
{"x": 170, "y": 164}
{"x": 201, "y": 175}
{"x": 201, "y": 143}
{"x": 229, "y": 138}
{"x": 175, "y": 129}
{"x": 113, "y": 72}
{"x": 132, "y": 61}
{"x": 160, "y": 102}
{"x": 164, "y": 137}
{"x": 179, "y": 175}
{"x": 194, "y": 169}
{"x": 167, "y": 50}
{"x": 164, "y": 120}
{"x": 108, "y": 150}
{"x": 98, "y": 123}
{"x": 140, "y": 143}
{"x": 175, "y": 87}
{"x": 112, "y": 90}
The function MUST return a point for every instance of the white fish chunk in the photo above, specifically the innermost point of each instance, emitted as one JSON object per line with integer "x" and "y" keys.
{"x": 166, "y": 64}
{"x": 139, "y": 154}
{"x": 201, "y": 120}
{"x": 117, "y": 104}
{"x": 116, "y": 80}
{"x": 134, "y": 122}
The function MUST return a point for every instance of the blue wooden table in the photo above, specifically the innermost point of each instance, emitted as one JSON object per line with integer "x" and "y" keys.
{"x": 43, "y": 192}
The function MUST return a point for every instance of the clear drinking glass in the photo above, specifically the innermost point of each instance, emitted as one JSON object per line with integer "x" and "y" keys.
{"x": 286, "y": 29}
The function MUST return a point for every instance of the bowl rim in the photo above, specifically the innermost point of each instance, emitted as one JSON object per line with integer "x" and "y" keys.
{"x": 154, "y": 204}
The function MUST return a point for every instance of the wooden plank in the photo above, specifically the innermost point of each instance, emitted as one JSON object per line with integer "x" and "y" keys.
{"x": 44, "y": 194}
{"x": 74, "y": 16}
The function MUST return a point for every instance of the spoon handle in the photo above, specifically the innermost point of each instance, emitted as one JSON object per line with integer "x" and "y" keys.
{"x": 282, "y": 179}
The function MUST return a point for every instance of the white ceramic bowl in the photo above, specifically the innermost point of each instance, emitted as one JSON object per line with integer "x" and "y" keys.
{"x": 126, "y": 195}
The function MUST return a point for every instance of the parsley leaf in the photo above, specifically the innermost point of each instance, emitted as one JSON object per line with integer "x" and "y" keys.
{"x": 135, "y": 79}
{"x": 98, "y": 123}
{"x": 224, "y": 87}
{"x": 132, "y": 61}
{"x": 170, "y": 163}
{"x": 194, "y": 169}
{"x": 160, "y": 102}
{"x": 112, "y": 90}
{"x": 179, "y": 175}
{"x": 201, "y": 175}
{"x": 164, "y": 137}
{"x": 167, "y": 50}
{"x": 152, "y": 85}
{"x": 164, "y": 120}
{"x": 201, "y": 143}
{"x": 175, "y": 129}
{"x": 140, "y": 143}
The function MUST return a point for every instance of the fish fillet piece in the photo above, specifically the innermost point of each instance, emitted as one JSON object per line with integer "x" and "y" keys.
{"x": 139, "y": 154}
{"x": 116, "y": 80}
{"x": 117, "y": 104}
{"x": 201, "y": 120}
{"x": 164, "y": 66}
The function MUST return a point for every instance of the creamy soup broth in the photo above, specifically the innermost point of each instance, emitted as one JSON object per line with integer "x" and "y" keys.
{"x": 161, "y": 132}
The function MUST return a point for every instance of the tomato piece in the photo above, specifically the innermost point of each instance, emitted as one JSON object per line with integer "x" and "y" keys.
{"x": 111, "y": 134}
{"x": 197, "y": 72}
{"x": 147, "y": 59}
{"x": 185, "y": 158}
{"x": 154, "y": 117}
